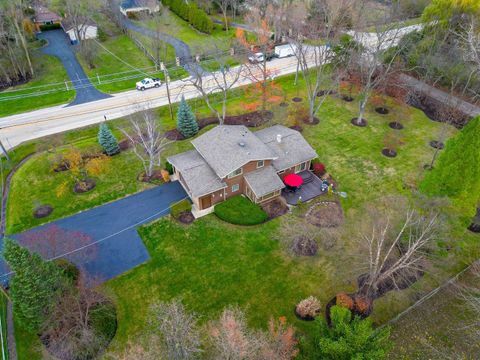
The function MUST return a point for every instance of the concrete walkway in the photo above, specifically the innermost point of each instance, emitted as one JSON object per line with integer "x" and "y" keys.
{"x": 111, "y": 244}
{"x": 59, "y": 46}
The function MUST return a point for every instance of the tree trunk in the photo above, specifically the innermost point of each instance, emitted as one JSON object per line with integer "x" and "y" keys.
{"x": 24, "y": 45}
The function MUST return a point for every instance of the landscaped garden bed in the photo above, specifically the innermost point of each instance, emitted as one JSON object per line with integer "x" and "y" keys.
{"x": 325, "y": 214}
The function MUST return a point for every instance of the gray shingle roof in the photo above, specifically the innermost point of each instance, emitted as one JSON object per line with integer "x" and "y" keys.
{"x": 197, "y": 175}
{"x": 292, "y": 150}
{"x": 228, "y": 147}
{"x": 264, "y": 181}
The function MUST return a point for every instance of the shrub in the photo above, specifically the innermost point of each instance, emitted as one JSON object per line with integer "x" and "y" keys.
{"x": 47, "y": 27}
{"x": 169, "y": 167}
{"x": 69, "y": 269}
{"x": 362, "y": 305}
{"x": 191, "y": 13}
{"x": 304, "y": 246}
{"x": 344, "y": 300}
{"x": 308, "y": 308}
{"x": 107, "y": 140}
{"x": 239, "y": 210}
{"x": 319, "y": 169}
{"x": 179, "y": 207}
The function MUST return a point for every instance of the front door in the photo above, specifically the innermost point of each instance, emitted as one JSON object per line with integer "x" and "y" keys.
{"x": 206, "y": 202}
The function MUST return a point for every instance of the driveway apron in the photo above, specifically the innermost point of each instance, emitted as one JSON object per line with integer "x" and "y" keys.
{"x": 113, "y": 245}
{"x": 59, "y": 46}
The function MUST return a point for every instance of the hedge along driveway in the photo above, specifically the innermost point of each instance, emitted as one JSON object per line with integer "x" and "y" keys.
{"x": 113, "y": 245}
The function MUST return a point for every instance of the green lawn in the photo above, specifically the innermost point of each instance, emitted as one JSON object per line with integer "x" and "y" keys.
{"x": 50, "y": 74}
{"x": 3, "y": 316}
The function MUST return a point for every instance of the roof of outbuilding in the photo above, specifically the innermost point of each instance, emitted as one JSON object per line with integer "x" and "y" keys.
{"x": 264, "y": 181}
{"x": 67, "y": 24}
{"x": 228, "y": 147}
{"x": 44, "y": 14}
{"x": 197, "y": 175}
{"x": 293, "y": 149}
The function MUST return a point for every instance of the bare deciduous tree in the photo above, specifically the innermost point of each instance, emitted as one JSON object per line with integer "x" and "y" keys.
{"x": 224, "y": 5}
{"x": 179, "y": 330}
{"x": 147, "y": 139}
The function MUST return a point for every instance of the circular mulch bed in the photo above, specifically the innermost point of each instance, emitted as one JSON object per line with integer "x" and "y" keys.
{"x": 42, "y": 211}
{"x": 395, "y": 125}
{"x": 283, "y": 104}
{"x": 389, "y": 153}
{"x": 174, "y": 134}
{"x": 325, "y": 214}
{"x": 437, "y": 144}
{"x": 124, "y": 144}
{"x": 326, "y": 92}
{"x": 300, "y": 317}
{"x": 382, "y": 110}
{"x": 297, "y": 99}
{"x": 84, "y": 186}
{"x": 314, "y": 122}
{"x": 63, "y": 166}
{"x": 361, "y": 123}
{"x": 427, "y": 167}
{"x": 275, "y": 208}
{"x": 304, "y": 246}
{"x": 251, "y": 119}
{"x": 296, "y": 127}
{"x": 186, "y": 217}
{"x": 475, "y": 228}
{"x": 156, "y": 176}
{"x": 346, "y": 98}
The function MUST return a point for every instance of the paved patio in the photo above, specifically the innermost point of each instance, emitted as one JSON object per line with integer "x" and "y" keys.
{"x": 310, "y": 189}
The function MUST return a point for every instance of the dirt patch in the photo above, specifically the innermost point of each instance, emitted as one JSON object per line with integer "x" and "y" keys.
{"x": 42, "y": 211}
{"x": 382, "y": 110}
{"x": 437, "y": 144}
{"x": 124, "y": 144}
{"x": 304, "y": 246}
{"x": 297, "y": 99}
{"x": 395, "y": 125}
{"x": 297, "y": 127}
{"x": 360, "y": 123}
{"x": 315, "y": 121}
{"x": 389, "y": 153}
{"x": 346, "y": 98}
{"x": 84, "y": 186}
{"x": 174, "y": 134}
{"x": 275, "y": 208}
{"x": 283, "y": 104}
{"x": 251, "y": 119}
{"x": 325, "y": 214}
{"x": 186, "y": 217}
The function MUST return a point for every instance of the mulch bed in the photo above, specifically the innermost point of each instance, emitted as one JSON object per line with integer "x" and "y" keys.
{"x": 156, "y": 176}
{"x": 251, "y": 119}
{"x": 124, "y": 144}
{"x": 304, "y": 246}
{"x": 296, "y": 127}
{"x": 186, "y": 217}
{"x": 297, "y": 99}
{"x": 84, "y": 186}
{"x": 275, "y": 208}
{"x": 304, "y": 318}
{"x": 325, "y": 214}
{"x": 361, "y": 123}
{"x": 400, "y": 283}
{"x": 395, "y": 125}
{"x": 427, "y": 167}
{"x": 174, "y": 134}
{"x": 314, "y": 122}
{"x": 283, "y": 104}
{"x": 475, "y": 225}
{"x": 326, "y": 92}
{"x": 437, "y": 144}
{"x": 63, "y": 166}
{"x": 346, "y": 98}
{"x": 42, "y": 211}
{"x": 389, "y": 153}
{"x": 382, "y": 110}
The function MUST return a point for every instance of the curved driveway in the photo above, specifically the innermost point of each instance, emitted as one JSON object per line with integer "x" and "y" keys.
{"x": 113, "y": 245}
{"x": 59, "y": 46}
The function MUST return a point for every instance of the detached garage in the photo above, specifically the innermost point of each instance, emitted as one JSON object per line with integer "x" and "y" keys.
{"x": 83, "y": 31}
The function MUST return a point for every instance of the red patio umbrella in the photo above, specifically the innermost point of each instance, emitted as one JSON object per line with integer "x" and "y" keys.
{"x": 293, "y": 180}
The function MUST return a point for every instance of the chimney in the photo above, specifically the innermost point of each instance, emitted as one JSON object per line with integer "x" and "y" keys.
{"x": 279, "y": 138}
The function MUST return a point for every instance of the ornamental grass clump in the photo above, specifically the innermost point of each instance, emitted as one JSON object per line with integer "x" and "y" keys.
{"x": 308, "y": 308}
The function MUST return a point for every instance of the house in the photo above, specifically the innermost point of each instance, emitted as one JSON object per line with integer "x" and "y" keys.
{"x": 43, "y": 16}
{"x": 230, "y": 160}
{"x": 139, "y": 6}
{"x": 86, "y": 30}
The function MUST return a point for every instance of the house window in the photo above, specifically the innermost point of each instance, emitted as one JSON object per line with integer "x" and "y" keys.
{"x": 260, "y": 163}
{"x": 300, "y": 167}
{"x": 235, "y": 173}
{"x": 235, "y": 188}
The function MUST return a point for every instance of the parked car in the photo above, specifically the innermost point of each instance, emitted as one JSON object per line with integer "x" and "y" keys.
{"x": 148, "y": 83}
{"x": 259, "y": 57}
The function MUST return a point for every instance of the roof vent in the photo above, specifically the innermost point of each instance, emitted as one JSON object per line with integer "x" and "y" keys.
{"x": 241, "y": 143}
{"x": 279, "y": 138}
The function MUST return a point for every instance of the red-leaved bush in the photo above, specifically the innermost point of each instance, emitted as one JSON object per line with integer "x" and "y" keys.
{"x": 319, "y": 169}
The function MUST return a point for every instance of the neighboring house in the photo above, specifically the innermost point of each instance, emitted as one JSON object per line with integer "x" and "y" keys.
{"x": 86, "y": 30}
{"x": 43, "y": 16}
{"x": 230, "y": 160}
{"x": 139, "y": 6}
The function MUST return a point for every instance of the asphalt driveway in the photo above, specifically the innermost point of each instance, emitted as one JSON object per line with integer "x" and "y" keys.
{"x": 106, "y": 235}
{"x": 59, "y": 46}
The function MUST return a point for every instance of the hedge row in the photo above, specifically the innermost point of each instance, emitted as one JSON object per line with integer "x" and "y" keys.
{"x": 192, "y": 14}
{"x": 47, "y": 27}
{"x": 239, "y": 210}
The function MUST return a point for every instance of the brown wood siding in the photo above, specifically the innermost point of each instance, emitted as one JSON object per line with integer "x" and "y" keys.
{"x": 247, "y": 168}
{"x": 215, "y": 198}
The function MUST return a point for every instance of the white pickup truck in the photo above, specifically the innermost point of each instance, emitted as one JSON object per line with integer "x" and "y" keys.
{"x": 148, "y": 83}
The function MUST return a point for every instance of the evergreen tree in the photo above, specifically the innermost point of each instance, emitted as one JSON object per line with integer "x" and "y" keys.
{"x": 186, "y": 121}
{"x": 107, "y": 140}
{"x": 34, "y": 286}
{"x": 457, "y": 171}
{"x": 346, "y": 339}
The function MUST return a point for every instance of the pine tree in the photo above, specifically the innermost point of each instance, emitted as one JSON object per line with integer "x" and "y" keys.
{"x": 457, "y": 171}
{"x": 346, "y": 339}
{"x": 107, "y": 140}
{"x": 186, "y": 121}
{"x": 34, "y": 286}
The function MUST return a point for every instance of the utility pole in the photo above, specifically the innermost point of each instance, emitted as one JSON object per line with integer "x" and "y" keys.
{"x": 4, "y": 150}
{"x": 167, "y": 81}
